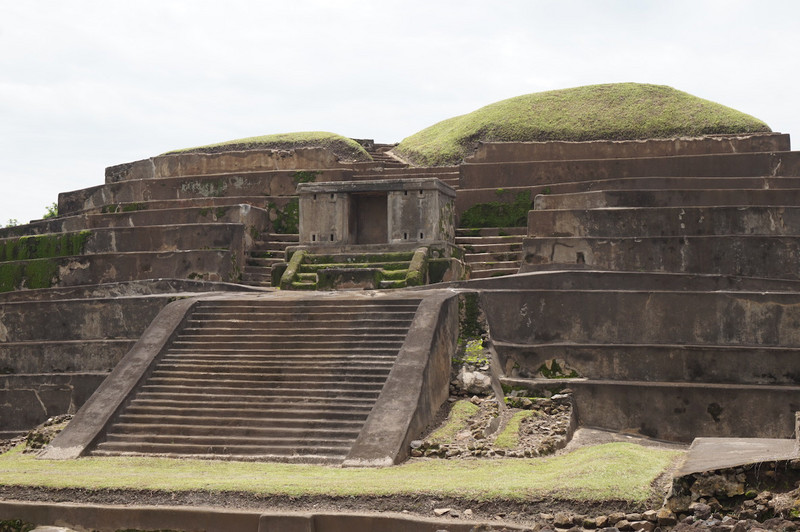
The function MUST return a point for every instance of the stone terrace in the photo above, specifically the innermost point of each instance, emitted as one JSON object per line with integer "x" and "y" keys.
{"x": 661, "y": 272}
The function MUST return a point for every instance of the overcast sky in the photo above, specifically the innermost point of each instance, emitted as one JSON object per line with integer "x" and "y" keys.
{"x": 87, "y": 84}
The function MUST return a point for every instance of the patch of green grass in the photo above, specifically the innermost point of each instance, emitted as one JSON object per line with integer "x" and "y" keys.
{"x": 509, "y": 437}
{"x": 456, "y": 422}
{"x": 344, "y": 148}
{"x": 618, "y": 471}
{"x": 616, "y": 111}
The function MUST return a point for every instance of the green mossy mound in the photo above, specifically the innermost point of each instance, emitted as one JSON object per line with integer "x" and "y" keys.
{"x": 344, "y": 148}
{"x": 619, "y": 111}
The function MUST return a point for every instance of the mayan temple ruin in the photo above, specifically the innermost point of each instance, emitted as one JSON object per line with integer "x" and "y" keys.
{"x": 298, "y": 304}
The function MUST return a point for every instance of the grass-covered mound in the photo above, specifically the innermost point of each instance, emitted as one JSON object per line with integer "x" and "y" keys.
{"x": 618, "y": 111}
{"x": 344, "y": 148}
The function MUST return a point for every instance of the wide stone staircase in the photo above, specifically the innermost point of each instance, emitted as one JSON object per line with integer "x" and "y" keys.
{"x": 266, "y": 379}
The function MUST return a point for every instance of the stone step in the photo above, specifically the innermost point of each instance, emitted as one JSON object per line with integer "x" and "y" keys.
{"x": 166, "y": 374}
{"x": 261, "y": 202}
{"x": 494, "y": 265}
{"x": 744, "y": 255}
{"x": 203, "y": 265}
{"x": 241, "y": 434}
{"x": 549, "y": 172}
{"x": 680, "y": 411}
{"x": 493, "y": 247}
{"x": 263, "y": 183}
{"x": 636, "y": 281}
{"x": 226, "y": 388}
{"x": 487, "y": 242}
{"x": 314, "y": 453}
{"x": 256, "y": 279}
{"x": 212, "y": 344}
{"x": 252, "y": 321}
{"x": 503, "y": 232}
{"x": 614, "y": 149}
{"x": 665, "y": 221}
{"x": 38, "y": 356}
{"x": 644, "y": 316}
{"x": 275, "y": 369}
{"x": 309, "y": 306}
{"x": 236, "y": 401}
{"x": 466, "y": 198}
{"x": 264, "y": 357}
{"x": 493, "y": 272}
{"x": 669, "y": 198}
{"x": 259, "y": 333}
{"x": 283, "y": 318}
{"x": 483, "y": 259}
{"x": 260, "y": 349}
{"x": 735, "y": 364}
{"x": 251, "y": 416}
{"x": 233, "y": 213}
{"x": 262, "y": 262}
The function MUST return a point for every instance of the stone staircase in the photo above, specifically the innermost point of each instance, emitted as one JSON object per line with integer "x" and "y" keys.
{"x": 265, "y": 379}
{"x": 379, "y": 154}
{"x": 492, "y": 251}
{"x": 263, "y": 255}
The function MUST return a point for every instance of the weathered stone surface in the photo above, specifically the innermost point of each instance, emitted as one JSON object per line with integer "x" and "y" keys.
{"x": 618, "y": 149}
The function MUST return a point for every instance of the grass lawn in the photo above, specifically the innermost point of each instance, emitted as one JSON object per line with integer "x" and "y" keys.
{"x": 345, "y": 148}
{"x": 615, "y": 111}
{"x": 613, "y": 471}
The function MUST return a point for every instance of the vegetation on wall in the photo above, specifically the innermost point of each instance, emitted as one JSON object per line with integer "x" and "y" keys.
{"x": 499, "y": 213}
{"x": 43, "y": 246}
{"x": 287, "y": 218}
{"x": 344, "y": 148}
{"x": 39, "y": 273}
{"x": 617, "y": 111}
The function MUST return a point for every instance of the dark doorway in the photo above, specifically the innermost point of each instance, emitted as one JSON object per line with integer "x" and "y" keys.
{"x": 368, "y": 219}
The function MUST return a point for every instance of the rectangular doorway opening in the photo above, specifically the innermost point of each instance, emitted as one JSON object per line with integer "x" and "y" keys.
{"x": 369, "y": 218}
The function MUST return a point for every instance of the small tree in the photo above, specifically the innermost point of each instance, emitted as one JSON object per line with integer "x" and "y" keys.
{"x": 52, "y": 211}
{"x": 12, "y": 222}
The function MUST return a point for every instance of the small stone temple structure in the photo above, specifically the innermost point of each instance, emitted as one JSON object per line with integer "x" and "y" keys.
{"x": 383, "y": 213}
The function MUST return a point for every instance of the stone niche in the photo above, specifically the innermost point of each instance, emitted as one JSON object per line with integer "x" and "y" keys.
{"x": 392, "y": 213}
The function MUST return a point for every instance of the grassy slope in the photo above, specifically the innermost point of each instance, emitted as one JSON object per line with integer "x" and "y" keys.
{"x": 595, "y": 112}
{"x": 345, "y": 148}
{"x": 616, "y": 471}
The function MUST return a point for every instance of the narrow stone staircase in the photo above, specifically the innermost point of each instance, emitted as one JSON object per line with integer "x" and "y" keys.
{"x": 491, "y": 251}
{"x": 275, "y": 380}
{"x": 379, "y": 154}
{"x": 263, "y": 256}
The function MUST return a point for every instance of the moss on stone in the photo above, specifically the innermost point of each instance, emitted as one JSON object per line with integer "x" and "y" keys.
{"x": 37, "y": 273}
{"x": 43, "y": 246}
{"x": 287, "y": 218}
{"x": 499, "y": 213}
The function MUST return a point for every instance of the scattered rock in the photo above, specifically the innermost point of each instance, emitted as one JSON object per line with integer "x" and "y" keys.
{"x": 441, "y": 511}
